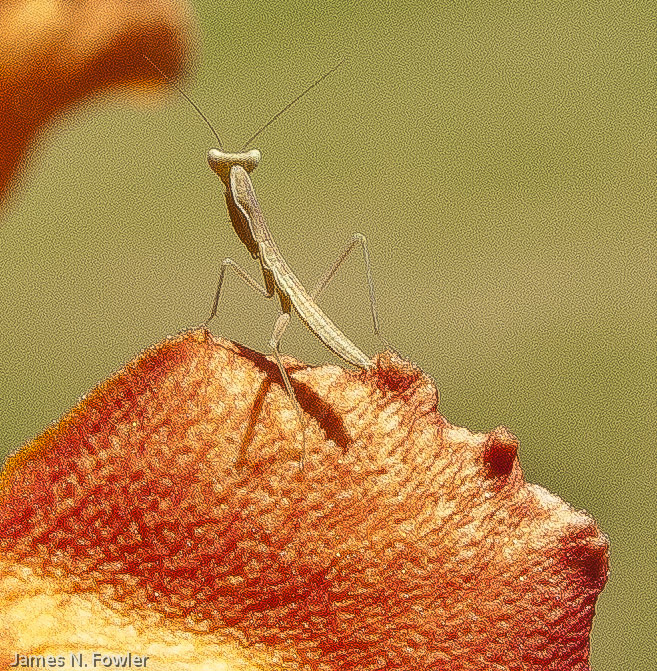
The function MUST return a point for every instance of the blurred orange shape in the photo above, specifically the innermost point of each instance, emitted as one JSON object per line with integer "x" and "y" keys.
{"x": 54, "y": 54}
{"x": 166, "y": 515}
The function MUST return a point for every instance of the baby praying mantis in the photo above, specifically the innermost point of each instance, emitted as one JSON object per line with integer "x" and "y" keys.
{"x": 246, "y": 217}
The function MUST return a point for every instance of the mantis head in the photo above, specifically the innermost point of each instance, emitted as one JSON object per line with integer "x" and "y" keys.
{"x": 222, "y": 161}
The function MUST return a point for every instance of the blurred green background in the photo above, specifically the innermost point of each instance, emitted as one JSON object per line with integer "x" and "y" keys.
{"x": 501, "y": 162}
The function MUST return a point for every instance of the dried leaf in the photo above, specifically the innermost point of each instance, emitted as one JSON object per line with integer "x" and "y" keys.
{"x": 167, "y": 514}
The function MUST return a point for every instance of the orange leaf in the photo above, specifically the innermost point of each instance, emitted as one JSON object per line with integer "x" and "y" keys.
{"x": 167, "y": 514}
{"x": 55, "y": 54}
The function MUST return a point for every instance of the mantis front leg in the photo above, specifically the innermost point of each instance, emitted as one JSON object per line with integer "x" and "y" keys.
{"x": 279, "y": 328}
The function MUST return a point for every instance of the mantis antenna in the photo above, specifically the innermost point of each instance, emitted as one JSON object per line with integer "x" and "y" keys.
{"x": 188, "y": 99}
{"x": 264, "y": 126}
{"x": 287, "y": 107}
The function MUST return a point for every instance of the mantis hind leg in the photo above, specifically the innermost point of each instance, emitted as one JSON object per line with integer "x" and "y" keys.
{"x": 279, "y": 328}
{"x": 356, "y": 239}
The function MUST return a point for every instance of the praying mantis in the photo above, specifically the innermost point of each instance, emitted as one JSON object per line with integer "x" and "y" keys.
{"x": 248, "y": 221}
